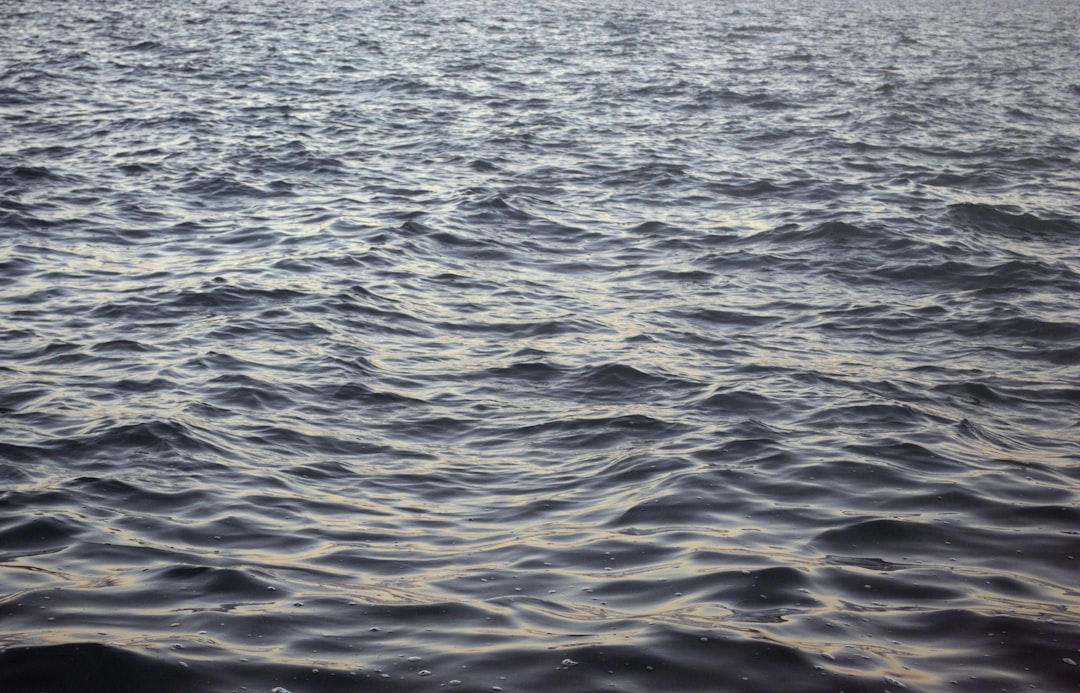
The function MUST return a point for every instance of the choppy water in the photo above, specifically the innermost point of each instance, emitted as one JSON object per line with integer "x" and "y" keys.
{"x": 639, "y": 345}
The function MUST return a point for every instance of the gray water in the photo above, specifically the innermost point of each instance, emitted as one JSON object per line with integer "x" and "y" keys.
{"x": 534, "y": 346}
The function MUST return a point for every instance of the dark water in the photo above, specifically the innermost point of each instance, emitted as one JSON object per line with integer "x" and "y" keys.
{"x": 539, "y": 346}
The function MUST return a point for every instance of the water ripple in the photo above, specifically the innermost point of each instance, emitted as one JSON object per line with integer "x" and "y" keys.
{"x": 645, "y": 346}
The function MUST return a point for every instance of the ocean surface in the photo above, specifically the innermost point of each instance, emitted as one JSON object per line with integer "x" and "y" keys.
{"x": 638, "y": 345}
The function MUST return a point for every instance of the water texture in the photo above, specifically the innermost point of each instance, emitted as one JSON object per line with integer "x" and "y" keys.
{"x": 645, "y": 345}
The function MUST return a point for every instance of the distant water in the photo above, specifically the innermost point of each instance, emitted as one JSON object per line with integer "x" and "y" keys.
{"x": 636, "y": 345}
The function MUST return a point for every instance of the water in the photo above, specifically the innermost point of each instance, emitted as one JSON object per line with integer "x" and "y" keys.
{"x": 636, "y": 346}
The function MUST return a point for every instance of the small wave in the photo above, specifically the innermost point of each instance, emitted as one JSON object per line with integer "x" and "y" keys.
{"x": 901, "y": 539}
{"x": 1011, "y": 221}
{"x": 738, "y": 402}
{"x": 95, "y": 667}
{"x": 1013, "y": 276}
{"x": 600, "y": 432}
{"x": 715, "y": 317}
{"x": 229, "y": 298}
{"x": 143, "y": 46}
{"x": 164, "y": 438}
{"x": 38, "y": 534}
{"x": 22, "y": 174}
{"x": 621, "y": 382}
{"x": 225, "y": 187}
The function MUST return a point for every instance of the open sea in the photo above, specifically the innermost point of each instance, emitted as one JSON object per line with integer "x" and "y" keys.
{"x": 539, "y": 345}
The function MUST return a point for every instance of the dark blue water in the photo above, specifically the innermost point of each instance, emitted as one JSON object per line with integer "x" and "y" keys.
{"x": 645, "y": 345}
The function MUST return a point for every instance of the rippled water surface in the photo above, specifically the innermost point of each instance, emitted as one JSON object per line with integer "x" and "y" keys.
{"x": 645, "y": 345}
